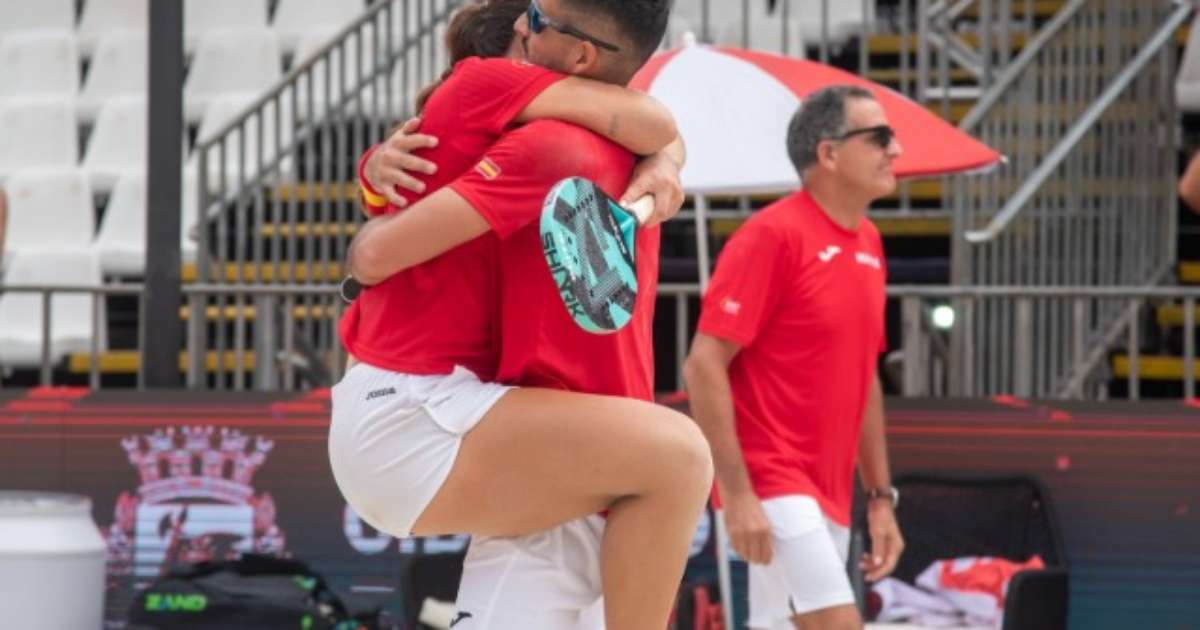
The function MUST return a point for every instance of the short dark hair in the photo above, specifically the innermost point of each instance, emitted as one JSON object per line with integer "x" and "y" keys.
{"x": 820, "y": 117}
{"x": 643, "y": 22}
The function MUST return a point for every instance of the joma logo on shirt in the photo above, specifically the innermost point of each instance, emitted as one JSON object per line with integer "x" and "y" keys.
{"x": 730, "y": 306}
{"x": 829, "y": 253}
{"x": 379, "y": 393}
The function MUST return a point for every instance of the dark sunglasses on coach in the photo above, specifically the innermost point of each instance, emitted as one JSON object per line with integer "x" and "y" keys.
{"x": 538, "y": 22}
{"x": 880, "y": 136}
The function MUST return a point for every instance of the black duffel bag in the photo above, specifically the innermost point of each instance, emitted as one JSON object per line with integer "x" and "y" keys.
{"x": 254, "y": 591}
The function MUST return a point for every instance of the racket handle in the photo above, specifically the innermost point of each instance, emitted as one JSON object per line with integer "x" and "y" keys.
{"x": 642, "y": 208}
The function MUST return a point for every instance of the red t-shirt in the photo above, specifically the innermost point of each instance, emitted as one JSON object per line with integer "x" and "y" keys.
{"x": 804, "y": 298}
{"x": 431, "y": 317}
{"x": 540, "y": 345}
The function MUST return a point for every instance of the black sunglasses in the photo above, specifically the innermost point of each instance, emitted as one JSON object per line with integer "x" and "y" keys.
{"x": 538, "y": 22}
{"x": 880, "y": 135}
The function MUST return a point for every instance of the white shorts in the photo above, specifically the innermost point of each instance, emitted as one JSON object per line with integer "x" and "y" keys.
{"x": 394, "y": 438}
{"x": 807, "y": 571}
{"x": 544, "y": 581}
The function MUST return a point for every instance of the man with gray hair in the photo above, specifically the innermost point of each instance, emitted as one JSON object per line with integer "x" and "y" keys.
{"x": 782, "y": 372}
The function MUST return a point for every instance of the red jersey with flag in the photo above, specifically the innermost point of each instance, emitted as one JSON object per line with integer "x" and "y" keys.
{"x": 540, "y": 345}
{"x": 431, "y": 317}
{"x": 804, "y": 298}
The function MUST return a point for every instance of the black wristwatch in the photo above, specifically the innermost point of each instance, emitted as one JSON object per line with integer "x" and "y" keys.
{"x": 891, "y": 494}
{"x": 349, "y": 289}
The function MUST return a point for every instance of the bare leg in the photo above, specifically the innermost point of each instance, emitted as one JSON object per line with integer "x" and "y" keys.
{"x": 542, "y": 457}
{"x": 832, "y": 618}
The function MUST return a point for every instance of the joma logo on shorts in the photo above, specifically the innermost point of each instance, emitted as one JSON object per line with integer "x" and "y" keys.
{"x": 379, "y": 393}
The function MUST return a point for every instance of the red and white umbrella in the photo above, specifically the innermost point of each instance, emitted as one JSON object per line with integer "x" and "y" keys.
{"x": 733, "y": 106}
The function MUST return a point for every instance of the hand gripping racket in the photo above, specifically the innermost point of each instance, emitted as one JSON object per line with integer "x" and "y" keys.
{"x": 588, "y": 241}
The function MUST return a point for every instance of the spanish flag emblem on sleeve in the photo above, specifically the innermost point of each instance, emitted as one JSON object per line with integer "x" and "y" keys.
{"x": 488, "y": 169}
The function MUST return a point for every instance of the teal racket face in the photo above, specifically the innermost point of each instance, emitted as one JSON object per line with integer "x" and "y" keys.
{"x": 588, "y": 241}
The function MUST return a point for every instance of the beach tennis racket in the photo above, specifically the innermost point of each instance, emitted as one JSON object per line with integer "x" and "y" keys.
{"x": 588, "y": 241}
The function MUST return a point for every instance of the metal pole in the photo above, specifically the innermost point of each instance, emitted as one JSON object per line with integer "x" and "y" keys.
{"x": 46, "y": 372}
{"x": 160, "y": 308}
{"x": 1189, "y": 348}
{"x": 1023, "y": 349}
{"x": 265, "y": 337}
{"x": 681, "y": 338}
{"x": 701, "y": 219}
{"x": 1134, "y": 354}
{"x": 724, "y": 581}
{"x": 910, "y": 318}
{"x": 94, "y": 344}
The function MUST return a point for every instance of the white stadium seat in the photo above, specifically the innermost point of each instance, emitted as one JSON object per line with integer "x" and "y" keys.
{"x": 102, "y": 17}
{"x": 37, "y": 133}
{"x": 120, "y": 68}
{"x": 296, "y": 18}
{"x": 39, "y": 63}
{"x": 49, "y": 210}
{"x": 119, "y": 142}
{"x": 55, "y": 15}
{"x": 70, "y": 313}
{"x": 121, "y": 243}
{"x": 201, "y": 17}
{"x": 228, "y": 62}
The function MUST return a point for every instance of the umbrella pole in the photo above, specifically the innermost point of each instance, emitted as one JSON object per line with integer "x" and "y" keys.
{"x": 724, "y": 582}
{"x": 701, "y": 218}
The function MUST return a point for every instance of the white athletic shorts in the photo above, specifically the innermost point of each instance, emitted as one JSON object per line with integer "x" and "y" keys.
{"x": 544, "y": 581}
{"x": 807, "y": 571}
{"x": 394, "y": 438}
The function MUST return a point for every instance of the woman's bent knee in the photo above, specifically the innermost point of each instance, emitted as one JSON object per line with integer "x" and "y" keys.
{"x": 688, "y": 455}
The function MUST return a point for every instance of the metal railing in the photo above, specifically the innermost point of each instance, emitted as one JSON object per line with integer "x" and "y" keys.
{"x": 786, "y": 27}
{"x": 269, "y": 357}
{"x": 1085, "y": 114}
{"x": 1013, "y": 360}
{"x": 925, "y": 362}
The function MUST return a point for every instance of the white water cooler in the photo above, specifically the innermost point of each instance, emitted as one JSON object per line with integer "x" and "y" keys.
{"x": 51, "y": 562}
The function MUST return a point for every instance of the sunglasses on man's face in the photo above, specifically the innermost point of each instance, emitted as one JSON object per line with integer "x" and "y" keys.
{"x": 538, "y": 22}
{"x": 880, "y": 136}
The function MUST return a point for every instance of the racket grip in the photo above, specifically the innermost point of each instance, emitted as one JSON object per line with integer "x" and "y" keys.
{"x": 642, "y": 208}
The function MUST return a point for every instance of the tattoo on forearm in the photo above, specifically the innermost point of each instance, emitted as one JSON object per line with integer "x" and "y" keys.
{"x": 614, "y": 125}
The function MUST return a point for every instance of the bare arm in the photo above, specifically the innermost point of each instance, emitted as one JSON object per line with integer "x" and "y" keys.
{"x": 886, "y": 541}
{"x": 706, "y": 371}
{"x": 1189, "y": 184}
{"x": 707, "y": 374}
{"x": 435, "y": 224}
{"x": 872, "y": 445}
{"x": 630, "y": 118}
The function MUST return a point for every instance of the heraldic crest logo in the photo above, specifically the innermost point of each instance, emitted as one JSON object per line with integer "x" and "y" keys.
{"x": 196, "y": 502}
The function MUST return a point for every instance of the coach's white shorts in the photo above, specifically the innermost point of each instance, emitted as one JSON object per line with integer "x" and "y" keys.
{"x": 544, "y": 581}
{"x": 394, "y": 438}
{"x": 807, "y": 571}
